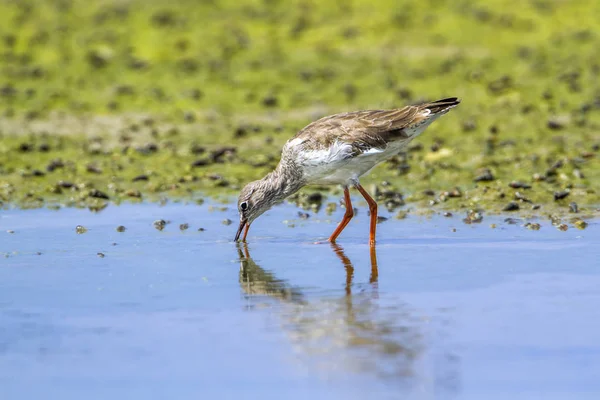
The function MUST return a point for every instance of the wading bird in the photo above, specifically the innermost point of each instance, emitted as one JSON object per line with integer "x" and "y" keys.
{"x": 338, "y": 150}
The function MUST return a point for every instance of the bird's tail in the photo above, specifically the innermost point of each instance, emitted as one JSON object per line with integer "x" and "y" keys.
{"x": 441, "y": 106}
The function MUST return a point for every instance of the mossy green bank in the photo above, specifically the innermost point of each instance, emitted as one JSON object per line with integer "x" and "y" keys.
{"x": 150, "y": 100}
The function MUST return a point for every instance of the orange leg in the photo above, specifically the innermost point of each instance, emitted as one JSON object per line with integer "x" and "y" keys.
{"x": 347, "y": 216}
{"x": 246, "y": 232}
{"x": 373, "y": 210}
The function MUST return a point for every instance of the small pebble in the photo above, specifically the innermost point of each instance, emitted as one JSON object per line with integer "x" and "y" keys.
{"x": 381, "y": 219}
{"x": 534, "y": 226}
{"x": 133, "y": 193}
{"x": 580, "y": 224}
{"x": 226, "y": 221}
{"x": 142, "y": 177}
{"x": 93, "y": 169}
{"x": 200, "y": 163}
{"x": 512, "y": 206}
{"x": 485, "y": 176}
{"x": 121, "y": 228}
{"x": 555, "y": 220}
{"x": 65, "y": 184}
{"x": 573, "y": 207}
{"x": 473, "y": 217}
{"x": 101, "y": 255}
{"x": 454, "y": 193}
{"x": 539, "y": 177}
{"x": 80, "y": 229}
{"x": 160, "y": 224}
{"x": 10, "y": 231}
{"x": 201, "y": 229}
{"x": 97, "y": 194}
{"x": 183, "y": 227}
{"x": 303, "y": 215}
{"x": 562, "y": 227}
{"x": 493, "y": 226}
{"x": 519, "y": 185}
{"x": 447, "y": 214}
{"x": 561, "y": 195}
{"x": 520, "y": 196}
{"x": 557, "y": 123}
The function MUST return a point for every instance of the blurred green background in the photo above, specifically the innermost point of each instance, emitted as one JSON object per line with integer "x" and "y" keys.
{"x": 146, "y": 99}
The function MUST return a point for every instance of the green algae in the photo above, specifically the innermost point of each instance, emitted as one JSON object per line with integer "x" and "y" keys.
{"x": 113, "y": 101}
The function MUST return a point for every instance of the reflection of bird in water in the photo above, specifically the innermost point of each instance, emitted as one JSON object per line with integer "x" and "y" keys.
{"x": 352, "y": 332}
{"x": 379, "y": 340}
{"x": 350, "y": 268}
{"x": 256, "y": 281}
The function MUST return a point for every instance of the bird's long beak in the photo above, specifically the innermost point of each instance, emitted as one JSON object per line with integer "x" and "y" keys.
{"x": 243, "y": 224}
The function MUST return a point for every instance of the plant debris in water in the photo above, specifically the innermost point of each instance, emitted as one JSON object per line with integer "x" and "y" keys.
{"x": 142, "y": 109}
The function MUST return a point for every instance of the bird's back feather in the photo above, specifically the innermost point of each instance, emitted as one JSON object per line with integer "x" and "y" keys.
{"x": 370, "y": 129}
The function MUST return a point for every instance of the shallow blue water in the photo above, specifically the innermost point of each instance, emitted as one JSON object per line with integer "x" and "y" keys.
{"x": 472, "y": 314}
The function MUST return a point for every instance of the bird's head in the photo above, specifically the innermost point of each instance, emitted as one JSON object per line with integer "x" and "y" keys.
{"x": 255, "y": 198}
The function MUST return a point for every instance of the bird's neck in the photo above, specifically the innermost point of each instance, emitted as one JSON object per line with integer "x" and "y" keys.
{"x": 284, "y": 181}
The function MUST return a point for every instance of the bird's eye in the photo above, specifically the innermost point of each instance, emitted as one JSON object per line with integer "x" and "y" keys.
{"x": 244, "y": 206}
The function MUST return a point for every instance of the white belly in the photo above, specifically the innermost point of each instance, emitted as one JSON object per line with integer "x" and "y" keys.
{"x": 335, "y": 167}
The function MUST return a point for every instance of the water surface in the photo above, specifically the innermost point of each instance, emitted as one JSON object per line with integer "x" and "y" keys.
{"x": 433, "y": 313}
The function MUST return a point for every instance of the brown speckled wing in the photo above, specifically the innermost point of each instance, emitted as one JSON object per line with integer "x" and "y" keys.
{"x": 369, "y": 129}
